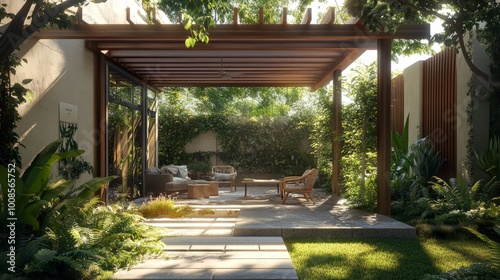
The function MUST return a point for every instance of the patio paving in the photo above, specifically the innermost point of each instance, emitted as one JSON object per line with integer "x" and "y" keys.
{"x": 243, "y": 239}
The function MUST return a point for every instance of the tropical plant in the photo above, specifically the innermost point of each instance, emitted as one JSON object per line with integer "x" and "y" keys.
{"x": 489, "y": 161}
{"x": 87, "y": 241}
{"x": 412, "y": 170}
{"x": 493, "y": 245}
{"x": 35, "y": 197}
{"x": 460, "y": 196}
{"x": 426, "y": 160}
{"x": 71, "y": 168}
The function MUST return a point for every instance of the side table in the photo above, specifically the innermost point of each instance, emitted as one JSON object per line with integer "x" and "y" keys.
{"x": 198, "y": 190}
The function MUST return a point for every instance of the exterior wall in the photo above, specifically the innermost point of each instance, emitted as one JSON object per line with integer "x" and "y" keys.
{"x": 413, "y": 87}
{"x": 62, "y": 71}
{"x": 480, "y": 100}
{"x": 463, "y": 77}
{"x": 206, "y": 142}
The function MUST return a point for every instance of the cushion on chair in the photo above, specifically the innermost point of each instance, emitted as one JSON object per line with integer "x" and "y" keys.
{"x": 170, "y": 169}
{"x": 295, "y": 186}
{"x": 224, "y": 177}
{"x": 153, "y": 171}
{"x": 183, "y": 171}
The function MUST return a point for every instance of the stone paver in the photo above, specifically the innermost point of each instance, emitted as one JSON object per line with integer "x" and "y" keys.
{"x": 217, "y": 258}
{"x": 244, "y": 238}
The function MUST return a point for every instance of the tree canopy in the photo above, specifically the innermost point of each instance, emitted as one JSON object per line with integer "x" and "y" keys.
{"x": 458, "y": 17}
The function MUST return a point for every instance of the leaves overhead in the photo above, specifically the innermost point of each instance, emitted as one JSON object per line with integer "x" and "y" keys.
{"x": 458, "y": 17}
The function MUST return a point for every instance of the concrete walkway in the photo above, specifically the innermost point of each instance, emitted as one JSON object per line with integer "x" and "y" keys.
{"x": 243, "y": 237}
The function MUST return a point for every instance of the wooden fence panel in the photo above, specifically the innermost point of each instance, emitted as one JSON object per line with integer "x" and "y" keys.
{"x": 439, "y": 116}
{"x": 397, "y": 104}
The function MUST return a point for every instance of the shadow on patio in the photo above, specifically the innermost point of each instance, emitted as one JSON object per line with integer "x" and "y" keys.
{"x": 262, "y": 214}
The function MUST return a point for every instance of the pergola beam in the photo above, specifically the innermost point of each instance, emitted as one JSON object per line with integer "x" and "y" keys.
{"x": 245, "y": 32}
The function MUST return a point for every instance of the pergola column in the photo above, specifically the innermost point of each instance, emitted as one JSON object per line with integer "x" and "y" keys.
{"x": 337, "y": 130}
{"x": 384, "y": 126}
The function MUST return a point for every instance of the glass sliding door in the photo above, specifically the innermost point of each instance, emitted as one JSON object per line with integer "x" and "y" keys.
{"x": 126, "y": 136}
{"x": 152, "y": 129}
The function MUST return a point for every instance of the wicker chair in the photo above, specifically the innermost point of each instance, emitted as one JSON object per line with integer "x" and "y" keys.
{"x": 299, "y": 184}
{"x": 225, "y": 174}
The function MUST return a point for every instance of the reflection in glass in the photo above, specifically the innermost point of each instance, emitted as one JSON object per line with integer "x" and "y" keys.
{"x": 125, "y": 148}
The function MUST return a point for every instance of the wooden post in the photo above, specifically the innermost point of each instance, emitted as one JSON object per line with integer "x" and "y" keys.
{"x": 100, "y": 115}
{"x": 337, "y": 130}
{"x": 384, "y": 127}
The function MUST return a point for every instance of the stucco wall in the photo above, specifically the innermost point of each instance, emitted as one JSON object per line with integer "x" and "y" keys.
{"x": 413, "y": 83}
{"x": 206, "y": 142}
{"x": 62, "y": 71}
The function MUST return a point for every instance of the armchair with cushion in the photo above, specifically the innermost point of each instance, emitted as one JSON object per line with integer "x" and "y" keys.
{"x": 156, "y": 181}
{"x": 168, "y": 179}
{"x": 299, "y": 184}
{"x": 225, "y": 173}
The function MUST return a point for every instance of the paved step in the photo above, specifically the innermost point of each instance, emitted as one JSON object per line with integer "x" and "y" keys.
{"x": 217, "y": 258}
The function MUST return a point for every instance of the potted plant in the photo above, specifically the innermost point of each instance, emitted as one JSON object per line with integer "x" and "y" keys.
{"x": 198, "y": 169}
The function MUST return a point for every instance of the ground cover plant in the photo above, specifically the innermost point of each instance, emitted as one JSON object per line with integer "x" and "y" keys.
{"x": 62, "y": 231}
{"x": 384, "y": 258}
{"x": 163, "y": 206}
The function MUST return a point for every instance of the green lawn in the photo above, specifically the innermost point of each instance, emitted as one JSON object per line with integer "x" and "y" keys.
{"x": 381, "y": 258}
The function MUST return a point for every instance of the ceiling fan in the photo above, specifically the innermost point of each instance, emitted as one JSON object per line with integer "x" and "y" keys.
{"x": 223, "y": 74}
{"x": 226, "y": 75}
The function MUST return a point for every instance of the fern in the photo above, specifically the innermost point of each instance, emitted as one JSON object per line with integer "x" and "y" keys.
{"x": 489, "y": 161}
{"x": 493, "y": 246}
{"x": 460, "y": 195}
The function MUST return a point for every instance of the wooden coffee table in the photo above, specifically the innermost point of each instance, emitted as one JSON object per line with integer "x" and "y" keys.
{"x": 249, "y": 181}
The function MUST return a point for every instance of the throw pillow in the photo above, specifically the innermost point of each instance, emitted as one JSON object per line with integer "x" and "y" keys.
{"x": 170, "y": 169}
{"x": 224, "y": 177}
{"x": 183, "y": 171}
{"x": 153, "y": 171}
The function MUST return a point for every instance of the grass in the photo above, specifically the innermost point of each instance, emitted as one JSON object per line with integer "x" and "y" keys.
{"x": 163, "y": 207}
{"x": 382, "y": 258}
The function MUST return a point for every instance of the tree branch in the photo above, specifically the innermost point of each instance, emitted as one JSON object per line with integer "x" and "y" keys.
{"x": 457, "y": 27}
{"x": 16, "y": 33}
{"x": 13, "y": 29}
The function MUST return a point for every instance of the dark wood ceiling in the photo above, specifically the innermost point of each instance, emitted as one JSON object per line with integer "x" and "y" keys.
{"x": 271, "y": 55}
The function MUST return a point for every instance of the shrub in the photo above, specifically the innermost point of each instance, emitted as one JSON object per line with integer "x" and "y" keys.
{"x": 87, "y": 241}
{"x": 163, "y": 207}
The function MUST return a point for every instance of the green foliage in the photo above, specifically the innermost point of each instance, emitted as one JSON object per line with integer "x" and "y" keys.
{"x": 11, "y": 96}
{"x": 269, "y": 135}
{"x": 426, "y": 160}
{"x": 489, "y": 162}
{"x": 163, "y": 207}
{"x": 482, "y": 271}
{"x": 321, "y": 138}
{"x": 71, "y": 168}
{"x": 460, "y": 196}
{"x": 412, "y": 170}
{"x": 87, "y": 241}
{"x": 492, "y": 245}
{"x": 359, "y": 135}
{"x": 35, "y": 194}
{"x": 458, "y": 17}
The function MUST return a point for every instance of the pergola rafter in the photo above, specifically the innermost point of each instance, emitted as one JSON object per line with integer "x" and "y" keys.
{"x": 253, "y": 55}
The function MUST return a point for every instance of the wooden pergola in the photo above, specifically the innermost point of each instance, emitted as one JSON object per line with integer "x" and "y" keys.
{"x": 256, "y": 55}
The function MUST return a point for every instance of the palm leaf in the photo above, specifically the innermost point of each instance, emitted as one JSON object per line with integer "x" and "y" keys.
{"x": 37, "y": 174}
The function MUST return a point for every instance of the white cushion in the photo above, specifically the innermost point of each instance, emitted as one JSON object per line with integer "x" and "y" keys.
{"x": 183, "y": 170}
{"x": 224, "y": 177}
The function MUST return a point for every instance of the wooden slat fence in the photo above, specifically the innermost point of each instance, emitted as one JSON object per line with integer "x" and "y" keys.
{"x": 397, "y": 104}
{"x": 439, "y": 116}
